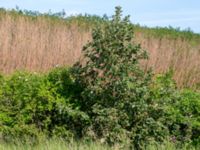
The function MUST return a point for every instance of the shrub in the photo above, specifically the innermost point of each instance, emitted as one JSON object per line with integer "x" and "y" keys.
{"x": 41, "y": 102}
{"x": 180, "y": 109}
{"x": 189, "y": 118}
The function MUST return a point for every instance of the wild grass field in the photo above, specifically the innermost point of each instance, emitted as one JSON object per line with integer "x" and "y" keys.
{"x": 39, "y": 42}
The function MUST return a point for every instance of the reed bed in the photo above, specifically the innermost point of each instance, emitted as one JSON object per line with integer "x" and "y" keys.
{"x": 41, "y": 43}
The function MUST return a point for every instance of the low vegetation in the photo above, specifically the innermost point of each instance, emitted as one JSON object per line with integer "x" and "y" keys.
{"x": 106, "y": 101}
{"x": 42, "y": 106}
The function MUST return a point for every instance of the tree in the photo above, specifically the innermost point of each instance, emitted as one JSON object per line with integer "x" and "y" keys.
{"x": 115, "y": 88}
{"x": 111, "y": 62}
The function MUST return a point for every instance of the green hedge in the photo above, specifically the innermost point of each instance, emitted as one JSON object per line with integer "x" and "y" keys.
{"x": 33, "y": 105}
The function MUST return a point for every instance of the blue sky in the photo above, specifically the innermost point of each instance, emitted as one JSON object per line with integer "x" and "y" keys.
{"x": 177, "y": 13}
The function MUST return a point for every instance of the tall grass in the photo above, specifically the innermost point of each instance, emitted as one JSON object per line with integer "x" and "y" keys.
{"x": 55, "y": 145}
{"x": 38, "y": 43}
{"x": 59, "y": 144}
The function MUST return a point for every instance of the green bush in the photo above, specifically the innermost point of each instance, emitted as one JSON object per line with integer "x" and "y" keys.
{"x": 189, "y": 117}
{"x": 41, "y": 102}
{"x": 180, "y": 109}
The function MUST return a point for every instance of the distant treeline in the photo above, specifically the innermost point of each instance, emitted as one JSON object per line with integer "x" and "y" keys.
{"x": 163, "y": 31}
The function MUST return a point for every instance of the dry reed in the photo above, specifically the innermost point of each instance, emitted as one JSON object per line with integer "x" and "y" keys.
{"x": 38, "y": 44}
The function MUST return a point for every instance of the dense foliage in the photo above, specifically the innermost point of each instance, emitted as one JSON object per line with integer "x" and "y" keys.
{"x": 32, "y": 103}
{"x": 108, "y": 97}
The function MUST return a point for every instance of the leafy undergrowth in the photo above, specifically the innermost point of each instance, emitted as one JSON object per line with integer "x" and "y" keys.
{"x": 33, "y": 105}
